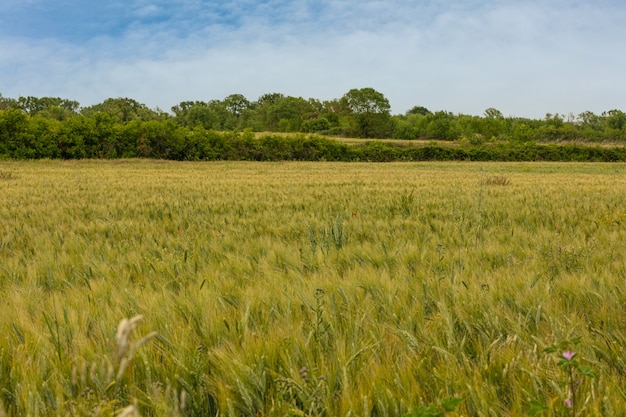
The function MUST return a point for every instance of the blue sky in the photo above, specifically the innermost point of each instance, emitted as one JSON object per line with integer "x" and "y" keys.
{"x": 525, "y": 57}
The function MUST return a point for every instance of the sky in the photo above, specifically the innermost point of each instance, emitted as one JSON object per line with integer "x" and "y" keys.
{"x": 525, "y": 58}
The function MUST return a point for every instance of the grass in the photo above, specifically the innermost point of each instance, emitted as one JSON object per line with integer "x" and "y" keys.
{"x": 310, "y": 288}
{"x": 462, "y": 142}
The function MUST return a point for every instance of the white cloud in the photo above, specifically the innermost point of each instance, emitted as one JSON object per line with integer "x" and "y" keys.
{"x": 147, "y": 11}
{"x": 525, "y": 58}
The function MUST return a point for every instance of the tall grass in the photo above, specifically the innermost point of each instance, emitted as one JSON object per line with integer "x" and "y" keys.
{"x": 310, "y": 288}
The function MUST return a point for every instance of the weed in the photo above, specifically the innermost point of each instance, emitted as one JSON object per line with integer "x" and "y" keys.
{"x": 332, "y": 237}
{"x": 574, "y": 371}
{"x": 305, "y": 393}
{"x": 559, "y": 257}
{"x": 405, "y": 205}
{"x": 447, "y": 405}
{"x": 319, "y": 325}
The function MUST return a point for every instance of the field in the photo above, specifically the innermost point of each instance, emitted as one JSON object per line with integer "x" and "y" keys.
{"x": 321, "y": 289}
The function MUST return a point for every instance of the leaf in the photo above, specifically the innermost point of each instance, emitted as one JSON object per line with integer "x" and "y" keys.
{"x": 550, "y": 349}
{"x": 450, "y": 404}
{"x": 537, "y": 408}
{"x": 430, "y": 411}
{"x": 587, "y": 371}
{"x": 564, "y": 363}
{"x": 576, "y": 340}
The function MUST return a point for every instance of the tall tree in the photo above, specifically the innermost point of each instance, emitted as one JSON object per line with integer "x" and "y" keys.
{"x": 49, "y": 107}
{"x": 123, "y": 110}
{"x": 492, "y": 113}
{"x": 7, "y": 103}
{"x": 236, "y": 104}
{"x": 370, "y": 110}
{"x": 13, "y": 127}
{"x": 615, "y": 119}
{"x": 418, "y": 110}
{"x": 33, "y": 105}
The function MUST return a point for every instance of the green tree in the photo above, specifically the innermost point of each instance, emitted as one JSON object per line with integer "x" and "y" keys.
{"x": 124, "y": 110}
{"x": 197, "y": 113}
{"x": 290, "y": 112}
{"x": 106, "y": 136}
{"x": 181, "y": 109}
{"x": 276, "y": 112}
{"x": 71, "y": 143}
{"x": 418, "y": 110}
{"x": 442, "y": 125}
{"x": 318, "y": 124}
{"x": 84, "y": 128}
{"x": 236, "y": 104}
{"x": 14, "y": 125}
{"x": 7, "y": 103}
{"x": 49, "y": 107}
{"x": 263, "y": 118}
{"x": 370, "y": 111}
{"x": 522, "y": 132}
{"x": 34, "y": 105}
{"x": 224, "y": 119}
{"x": 590, "y": 120}
{"x": 42, "y": 138}
{"x": 615, "y": 119}
{"x": 492, "y": 113}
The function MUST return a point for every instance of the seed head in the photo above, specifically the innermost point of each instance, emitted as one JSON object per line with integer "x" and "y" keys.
{"x": 304, "y": 373}
{"x": 124, "y": 329}
{"x": 130, "y": 411}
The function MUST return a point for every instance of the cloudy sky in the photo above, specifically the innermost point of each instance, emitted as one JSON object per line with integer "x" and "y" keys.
{"x": 523, "y": 57}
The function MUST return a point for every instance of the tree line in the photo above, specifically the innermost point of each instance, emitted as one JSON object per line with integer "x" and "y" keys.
{"x": 52, "y": 127}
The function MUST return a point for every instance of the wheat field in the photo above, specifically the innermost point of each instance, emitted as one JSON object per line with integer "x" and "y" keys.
{"x": 156, "y": 288}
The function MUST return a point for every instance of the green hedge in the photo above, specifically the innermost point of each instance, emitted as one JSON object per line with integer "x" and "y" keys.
{"x": 23, "y": 137}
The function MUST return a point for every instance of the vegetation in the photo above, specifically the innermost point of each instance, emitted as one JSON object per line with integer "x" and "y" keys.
{"x": 33, "y": 128}
{"x": 156, "y": 288}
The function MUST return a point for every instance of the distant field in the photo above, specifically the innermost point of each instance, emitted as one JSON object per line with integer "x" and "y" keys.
{"x": 321, "y": 289}
{"x": 355, "y": 141}
{"x": 424, "y": 142}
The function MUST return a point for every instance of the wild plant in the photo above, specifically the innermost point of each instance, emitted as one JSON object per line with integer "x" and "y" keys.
{"x": 103, "y": 386}
{"x": 332, "y": 237}
{"x": 305, "y": 394}
{"x": 447, "y": 405}
{"x": 574, "y": 371}
{"x": 559, "y": 257}
{"x": 405, "y": 205}
{"x": 440, "y": 267}
{"x": 125, "y": 349}
{"x": 319, "y": 326}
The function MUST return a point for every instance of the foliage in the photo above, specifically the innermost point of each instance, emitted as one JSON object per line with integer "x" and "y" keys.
{"x": 440, "y": 410}
{"x": 100, "y": 136}
{"x": 575, "y": 370}
{"x": 52, "y": 127}
{"x": 371, "y": 112}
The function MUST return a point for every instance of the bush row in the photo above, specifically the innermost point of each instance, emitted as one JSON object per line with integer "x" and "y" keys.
{"x": 79, "y": 138}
